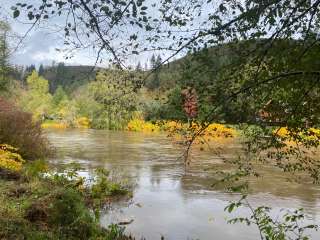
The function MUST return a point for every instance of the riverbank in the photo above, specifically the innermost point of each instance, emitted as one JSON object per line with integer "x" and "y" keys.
{"x": 38, "y": 203}
{"x": 179, "y": 132}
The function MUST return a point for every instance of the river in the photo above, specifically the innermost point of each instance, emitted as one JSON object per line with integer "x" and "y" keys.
{"x": 169, "y": 201}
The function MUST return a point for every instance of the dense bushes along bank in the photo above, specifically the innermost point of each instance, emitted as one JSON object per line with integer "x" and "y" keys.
{"x": 38, "y": 202}
{"x": 17, "y": 128}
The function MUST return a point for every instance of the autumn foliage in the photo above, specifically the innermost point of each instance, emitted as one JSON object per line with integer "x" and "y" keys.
{"x": 19, "y": 130}
{"x": 9, "y": 158}
{"x": 190, "y": 102}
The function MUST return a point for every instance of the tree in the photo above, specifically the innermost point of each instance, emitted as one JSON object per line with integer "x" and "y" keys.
{"x": 115, "y": 92}
{"x": 29, "y": 70}
{"x": 153, "y": 61}
{"x": 41, "y": 70}
{"x": 37, "y": 98}
{"x": 139, "y": 67}
{"x": 59, "y": 96}
{"x": 61, "y": 104}
{"x": 154, "y": 81}
{"x": 4, "y": 56}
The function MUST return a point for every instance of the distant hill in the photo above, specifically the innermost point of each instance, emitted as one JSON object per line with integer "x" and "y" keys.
{"x": 213, "y": 57}
{"x": 194, "y": 68}
{"x": 197, "y": 67}
{"x": 69, "y": 77}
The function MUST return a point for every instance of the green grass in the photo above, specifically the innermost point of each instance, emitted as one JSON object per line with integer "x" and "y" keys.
{"x": 35, "y": 207}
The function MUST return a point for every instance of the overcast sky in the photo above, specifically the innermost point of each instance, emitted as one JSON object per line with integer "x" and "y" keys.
{"x": 39, "y": 46}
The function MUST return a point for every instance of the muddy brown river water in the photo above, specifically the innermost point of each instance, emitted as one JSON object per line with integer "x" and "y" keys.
{"x": 169, "y": 201}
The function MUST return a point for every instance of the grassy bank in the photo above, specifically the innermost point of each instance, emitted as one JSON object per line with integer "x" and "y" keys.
{"x": 40, "y": 202}
{"x": 37, "y": 204}
{"x": 82, "y": 122}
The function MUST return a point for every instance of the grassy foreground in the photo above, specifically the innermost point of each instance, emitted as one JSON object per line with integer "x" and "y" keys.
{"x": 40, "y": 206}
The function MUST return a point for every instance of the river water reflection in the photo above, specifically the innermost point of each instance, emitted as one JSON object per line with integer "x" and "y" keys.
{"x": 167, "y": 200}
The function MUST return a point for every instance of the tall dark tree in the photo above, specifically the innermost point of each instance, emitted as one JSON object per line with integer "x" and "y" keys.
{"x": 60, "y": 77}
{"x": 27, "y": 72}
{"x": 29, "y": 69}
{"x": 139, "y": 67}
{"x": 153, "y": 61}
{"x": 41, "y": 70}
{"x": 4, "y": 56}
{"x": 154, "y": 80}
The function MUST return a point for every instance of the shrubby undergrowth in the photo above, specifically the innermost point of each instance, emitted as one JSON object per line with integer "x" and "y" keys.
{"x": 43, "y": 205}
{"x": 18, "y": 129}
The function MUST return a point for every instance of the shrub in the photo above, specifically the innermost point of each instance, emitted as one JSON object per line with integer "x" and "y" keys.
{"x": 54, "y": 125}
{"x": 69, "y": 212}
{"x": 10, "y": 159}
{"x": 138, "y": 125}
{"x": 19, "y": 130}
{"x": 104, "y": 187}
{"x": 35, "y": 169}
{"x": 82, "y": 122}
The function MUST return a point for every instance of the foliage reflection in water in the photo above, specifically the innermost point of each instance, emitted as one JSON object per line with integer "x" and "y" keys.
{"x": 170, "y": 202}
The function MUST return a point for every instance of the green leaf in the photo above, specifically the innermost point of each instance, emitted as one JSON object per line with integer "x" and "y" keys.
{"x": 16, "y": 13}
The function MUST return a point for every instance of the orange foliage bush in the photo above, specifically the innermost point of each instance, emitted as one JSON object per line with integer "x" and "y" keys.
{"x": 19, "y": 130}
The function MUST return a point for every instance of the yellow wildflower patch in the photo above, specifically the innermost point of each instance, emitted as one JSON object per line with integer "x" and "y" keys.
{"x": 314, "y": 134}
{"x": 170, "y": 126}
{"x": 55, "y": 125}
{"x": 219, "y": 130}
{"x": 82, "y": 122}
{"x": 281, "y": 132}
{"x": 180, "y": 131}
{"x": 311, "y": 134}
{"x": 138, "y": 125}
{"x": 9, "y": 158}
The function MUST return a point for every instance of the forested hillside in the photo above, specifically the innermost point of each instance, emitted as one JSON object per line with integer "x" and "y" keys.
{"x": 68, "y": 77}
{"x": 215, "y": 74}
{"x": 156, "y": 93}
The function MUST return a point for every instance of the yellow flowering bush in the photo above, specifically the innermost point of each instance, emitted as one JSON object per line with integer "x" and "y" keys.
{"x": 170, "y": 126}
{"x": 311, "y": 134}
{"x": 138, "y": 125}
{"x": 281, "y": 132}
{"x": 219, "y": 130}
{"x": 55, "y": 125}
{"x": 314, "y": 134}
{"x": 82, "y": 122}
{"x": 183, "y": 132}
{"x": 10, "y": 159}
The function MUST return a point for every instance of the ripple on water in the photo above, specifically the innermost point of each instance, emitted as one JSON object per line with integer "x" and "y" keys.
{"x": 169, "y": 201}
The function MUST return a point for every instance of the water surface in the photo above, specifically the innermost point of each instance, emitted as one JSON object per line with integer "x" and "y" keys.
{"x": 169, "y": 201}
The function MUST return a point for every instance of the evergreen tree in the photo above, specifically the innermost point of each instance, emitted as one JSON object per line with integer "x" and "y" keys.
{"x": 4, "y": 56}
{"x": 153, "y": 61}
{"x": 41, "y": 70}
{"x": 61, "y": 70}
{"x": 154, "y": 81}
{"x": 139, "y": 67}
{"x": 158, "y": 61}
{"x": 60, "y": 79}
{"x": 29, "y": 70}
